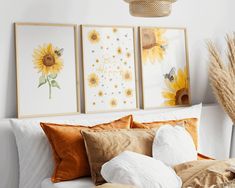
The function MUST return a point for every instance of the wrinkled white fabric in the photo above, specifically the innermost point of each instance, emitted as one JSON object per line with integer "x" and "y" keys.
{"x": 141, "y": 171}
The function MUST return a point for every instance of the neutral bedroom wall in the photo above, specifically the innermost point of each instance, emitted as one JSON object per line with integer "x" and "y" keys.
{"x": 204, "y": 20}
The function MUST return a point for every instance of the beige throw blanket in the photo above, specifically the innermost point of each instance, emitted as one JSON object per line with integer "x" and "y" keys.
{"x": 205, "y": 173}
{"x": 199, "y": 174}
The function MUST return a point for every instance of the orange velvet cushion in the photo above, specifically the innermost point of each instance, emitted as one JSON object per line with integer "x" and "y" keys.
{"x": 69, "y": 151}
{"x": 203, "y": 157}
{"x": 189, "y": 124}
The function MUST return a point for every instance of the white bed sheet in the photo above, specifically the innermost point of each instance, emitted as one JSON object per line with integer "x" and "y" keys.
{"x": 78, "y": 183}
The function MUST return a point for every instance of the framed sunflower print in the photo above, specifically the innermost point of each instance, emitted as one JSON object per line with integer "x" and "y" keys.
{"x": 109, "y": 68}
{"x": 164, "y": 64}
{"x": 46, "y": 62}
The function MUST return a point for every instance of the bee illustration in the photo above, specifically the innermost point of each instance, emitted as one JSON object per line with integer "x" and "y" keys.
{"x": 59, "y": 52}
{"x": 163, "y": 47}
{"x": 171, "y": 75}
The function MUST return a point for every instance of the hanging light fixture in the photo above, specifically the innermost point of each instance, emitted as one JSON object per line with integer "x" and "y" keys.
{"x": 150, "y": 8}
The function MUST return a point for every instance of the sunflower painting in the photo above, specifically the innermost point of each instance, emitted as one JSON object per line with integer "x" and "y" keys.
{"x": 47, "y": 69}
{"x": 165, "y": 75}
{"x": 154, "y": 45}
{"x": 109, "y": 68}
{"x": 48, "y": 61}
{"x": 177, "y": 89}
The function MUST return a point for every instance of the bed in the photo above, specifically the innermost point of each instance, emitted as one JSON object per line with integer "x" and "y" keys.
{"x": 215, "y": 136}
{"x": 193, "y": 174}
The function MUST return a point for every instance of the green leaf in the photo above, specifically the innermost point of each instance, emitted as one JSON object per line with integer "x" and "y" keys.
{"x": 52, "y": 76}
{"x": 55, "y": 84}
{"x": 42, "y": 80}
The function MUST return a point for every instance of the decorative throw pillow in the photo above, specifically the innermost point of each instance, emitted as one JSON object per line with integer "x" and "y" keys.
{"x": 101, "y": 146}
{"x": 191, "y": 125}
{"x": 69, "y": 150}
{"x": 140, "y": 170}
{"x": 34, "y": 151}
{"x": 203, "y": 157}
{"x": 173, "y": 145}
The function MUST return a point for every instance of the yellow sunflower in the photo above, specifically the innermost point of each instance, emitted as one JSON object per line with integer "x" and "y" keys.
{"x": 129, "y": 92}
{"x": 94, "y": 37}
{"x": 153, "y": 45}
{"x": 119, "y": 50}
{"x": 100, "y": 93}
{"x": 46, "y": 60}
{"x": 127, "y": 75}
{"x": 128, "y": 55}
{"x": 114, "y": 30}
{"x": 113, "y": 103}
{"x": 93, "y": 80}
{"x": 177, "y": 92}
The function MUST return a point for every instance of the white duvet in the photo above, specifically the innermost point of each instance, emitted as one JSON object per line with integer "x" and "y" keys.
{"x": 78, "y": 183}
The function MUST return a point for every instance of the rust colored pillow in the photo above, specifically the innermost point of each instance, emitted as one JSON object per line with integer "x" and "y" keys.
{"x": 102, "y": 146}
{"x": 189, "y": 124}
{"x": 203, "y": 157}
{"x": 69, "y": 150}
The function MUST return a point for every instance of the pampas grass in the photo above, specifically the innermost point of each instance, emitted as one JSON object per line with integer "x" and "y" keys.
{"x": 222, "y": 76}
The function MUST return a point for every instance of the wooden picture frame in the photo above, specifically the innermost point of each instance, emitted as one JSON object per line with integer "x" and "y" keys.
{"x": 47, "y": 69}
{"x": 108, "y": 32}
{"x": 158, "y": 47}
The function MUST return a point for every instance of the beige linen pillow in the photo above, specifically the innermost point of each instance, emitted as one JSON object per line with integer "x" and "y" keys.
{"x": 102, "y": 146}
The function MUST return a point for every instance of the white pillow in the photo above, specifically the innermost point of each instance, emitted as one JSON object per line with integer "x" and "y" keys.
{"x": 173, "y": 145}
{"x": 139, "y": 170}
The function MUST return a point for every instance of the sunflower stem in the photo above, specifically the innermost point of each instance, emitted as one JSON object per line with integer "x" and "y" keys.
{"x": 49, "y": 83}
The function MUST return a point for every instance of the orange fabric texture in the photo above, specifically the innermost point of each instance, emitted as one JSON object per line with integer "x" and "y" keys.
{"x": 189, "y": 124}
{"x": 203, "y": 157}
{"x": 69, "y": 151}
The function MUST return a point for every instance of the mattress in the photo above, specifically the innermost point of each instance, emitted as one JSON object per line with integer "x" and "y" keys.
{"x": 78, "y": 183}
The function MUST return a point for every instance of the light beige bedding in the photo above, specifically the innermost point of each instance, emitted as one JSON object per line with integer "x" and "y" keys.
{"x": 205, "y": 173}
{"x": 199, "y": 174}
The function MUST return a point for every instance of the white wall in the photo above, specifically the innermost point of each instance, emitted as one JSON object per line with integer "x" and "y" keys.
{"x": 203, "y": 19}
{"x": 215, "y": 132}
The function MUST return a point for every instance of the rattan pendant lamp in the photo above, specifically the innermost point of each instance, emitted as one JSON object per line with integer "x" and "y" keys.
{"x": 150, "y": 8}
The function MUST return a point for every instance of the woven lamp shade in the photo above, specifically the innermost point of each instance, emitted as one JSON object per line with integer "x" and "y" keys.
{"x": 150, "y": 8}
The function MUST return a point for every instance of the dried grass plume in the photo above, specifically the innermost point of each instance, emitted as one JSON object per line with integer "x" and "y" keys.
{"x": 222, "y": 76}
